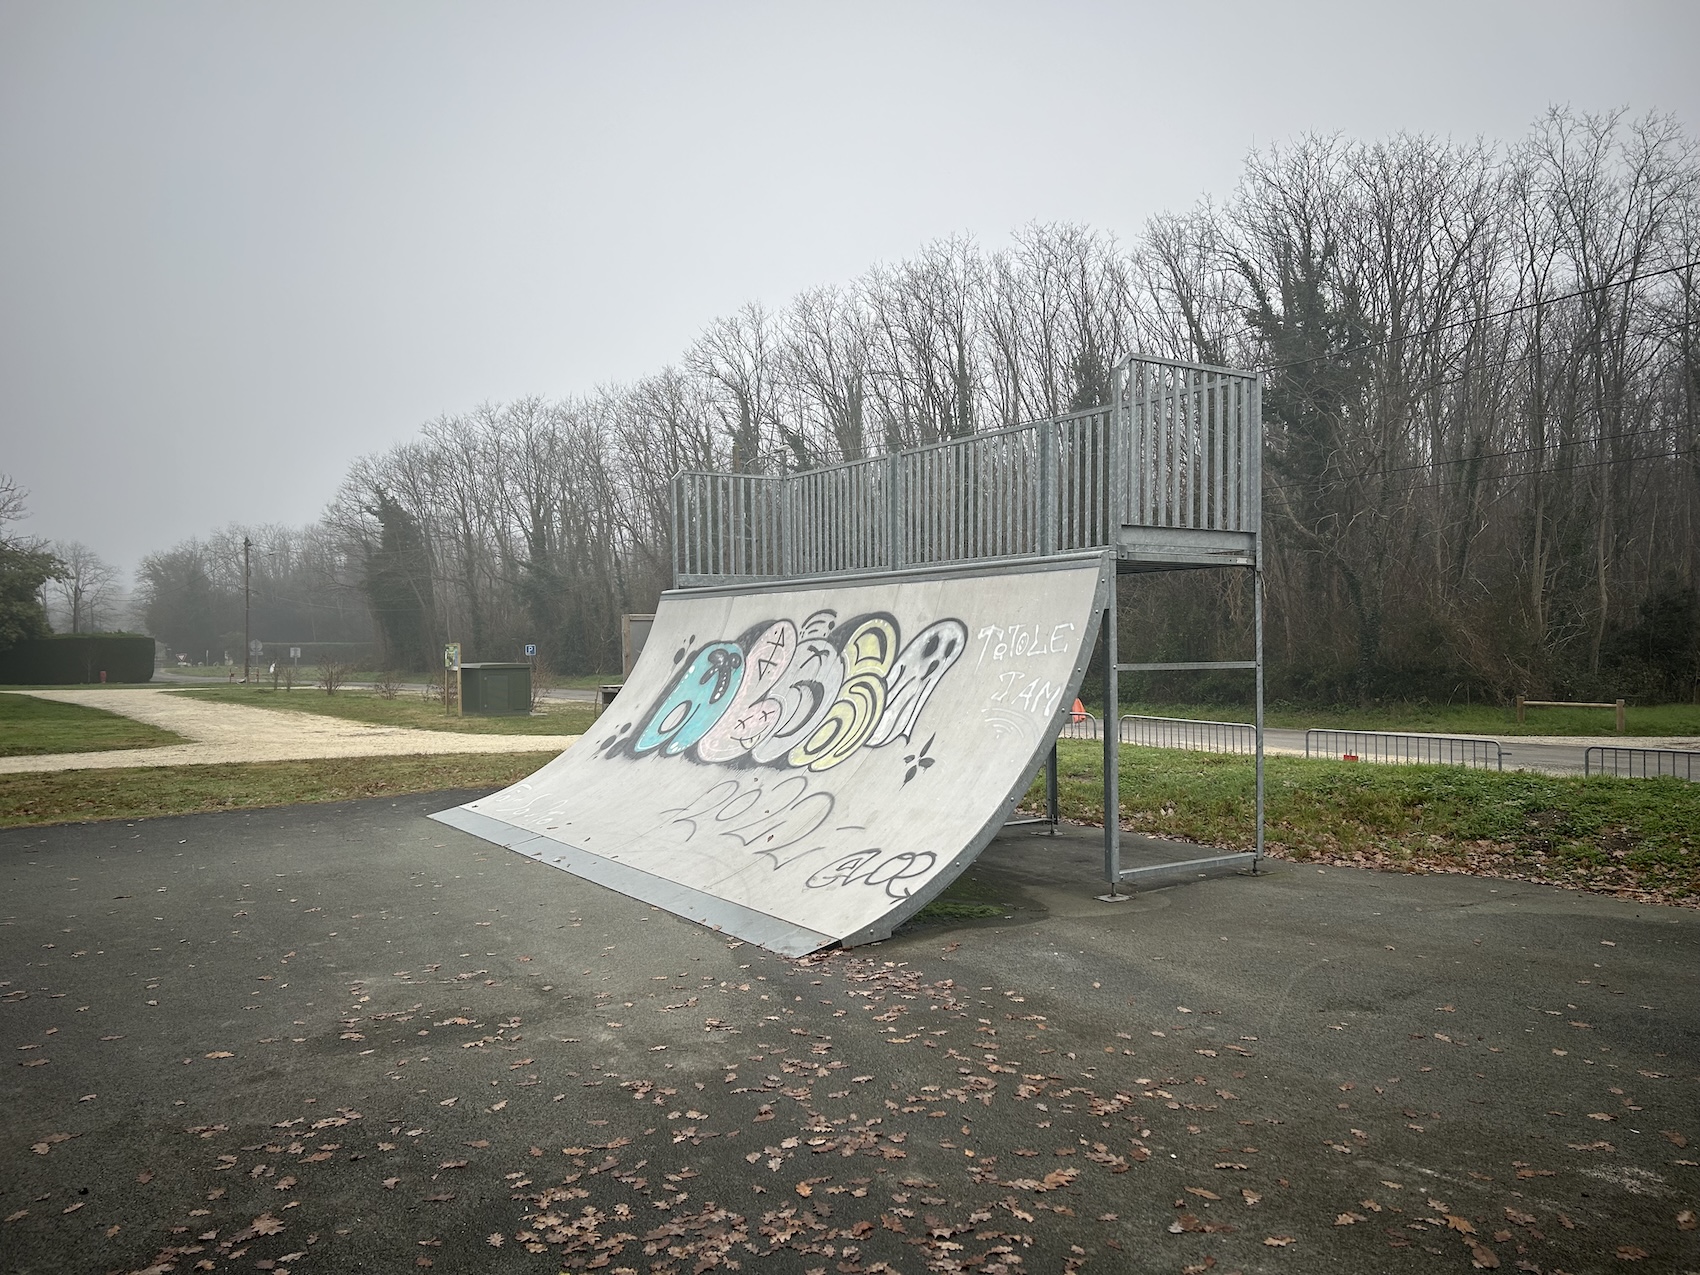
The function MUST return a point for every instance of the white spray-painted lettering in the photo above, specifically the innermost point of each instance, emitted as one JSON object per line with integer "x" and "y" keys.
{"x": 1021, "y": 641}
{"x": 1035, "y": 694}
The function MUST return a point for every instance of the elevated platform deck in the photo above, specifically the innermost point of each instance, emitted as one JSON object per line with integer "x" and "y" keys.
{"x": 1183, "y": 549}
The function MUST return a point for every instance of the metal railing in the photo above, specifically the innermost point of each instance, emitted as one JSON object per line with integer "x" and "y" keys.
{"x": 1191, "y": 449}
{"x": 1408, "y": 750}
{"x": 1640, "y": 763}
{"x": 1178, "y": 448}
{"x": 1184, "y": 732}
{"x": 1080, "y": 726}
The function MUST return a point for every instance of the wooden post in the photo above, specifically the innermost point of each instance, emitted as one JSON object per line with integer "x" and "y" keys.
{"x": 1519, "y": 710}
{"x": 1620, "y": 722}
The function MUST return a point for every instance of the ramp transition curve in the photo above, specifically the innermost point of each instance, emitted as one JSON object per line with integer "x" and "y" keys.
{"x": 809, "y": 764}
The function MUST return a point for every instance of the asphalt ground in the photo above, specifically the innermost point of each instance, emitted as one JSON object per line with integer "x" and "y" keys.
{"x": 347, "y": 1038}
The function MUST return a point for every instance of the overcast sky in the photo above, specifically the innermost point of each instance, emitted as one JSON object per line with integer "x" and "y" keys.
{"x": 241, "y": 244}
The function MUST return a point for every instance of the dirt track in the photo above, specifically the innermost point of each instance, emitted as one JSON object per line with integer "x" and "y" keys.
{"x": 237, "y": 733}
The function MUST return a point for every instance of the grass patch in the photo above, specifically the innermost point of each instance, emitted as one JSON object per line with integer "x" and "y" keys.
{"x": 30, "y": 727}
{"x": 406, "y": 709}
{"x": 73, "y": 796}
{"x": 957, "y": 910}
{"x": 1442, "y": 719}
{"x": 1635, "y": 837}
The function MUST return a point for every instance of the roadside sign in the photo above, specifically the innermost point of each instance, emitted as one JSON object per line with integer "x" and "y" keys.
{"x": 451, "y": 655}
{"x": 294, "y": 652}
{"x": 256, "y": 646}
{"x": 531, "y": 648}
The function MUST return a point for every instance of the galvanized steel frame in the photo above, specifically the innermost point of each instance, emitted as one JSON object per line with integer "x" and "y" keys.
{"x": 1178, "y": 448}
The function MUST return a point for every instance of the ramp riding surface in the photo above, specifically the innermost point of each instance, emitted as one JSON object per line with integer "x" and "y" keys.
{"x": 809, "y": 764}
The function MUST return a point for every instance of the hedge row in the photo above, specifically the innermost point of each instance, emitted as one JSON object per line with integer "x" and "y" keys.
{"x": 69, "y": 658}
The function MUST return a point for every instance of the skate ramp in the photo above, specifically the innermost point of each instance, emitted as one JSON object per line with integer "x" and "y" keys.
{"x": 809, "y": 764}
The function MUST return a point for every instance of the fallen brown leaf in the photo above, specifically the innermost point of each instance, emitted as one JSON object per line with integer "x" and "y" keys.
{"x": 1483, "y": 1258}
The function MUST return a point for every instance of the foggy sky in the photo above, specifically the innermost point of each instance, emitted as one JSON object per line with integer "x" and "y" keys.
{"x": 241, "y": 244}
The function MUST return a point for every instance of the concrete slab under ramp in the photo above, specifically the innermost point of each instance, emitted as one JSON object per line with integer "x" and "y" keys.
{"x": 809, "y": 764}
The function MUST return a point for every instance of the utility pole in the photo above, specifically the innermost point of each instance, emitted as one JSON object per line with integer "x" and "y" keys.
{"x": 247, "y": 544}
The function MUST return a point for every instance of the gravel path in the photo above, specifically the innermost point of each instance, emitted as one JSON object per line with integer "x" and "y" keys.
{"x": 237, "y": 733}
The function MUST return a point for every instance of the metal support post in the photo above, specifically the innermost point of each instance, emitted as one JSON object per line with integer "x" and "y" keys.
{"x": 1112, "y": 745}
{"x": 247, "y": 639}
{"x": 1052, "y": 812}
{"x": 1257, "y": 621}
{"x": 1256, "y": 493}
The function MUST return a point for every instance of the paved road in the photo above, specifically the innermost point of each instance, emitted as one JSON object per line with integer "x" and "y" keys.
{"x": 237, "y": 733}
{"x": 346, "y": 1038}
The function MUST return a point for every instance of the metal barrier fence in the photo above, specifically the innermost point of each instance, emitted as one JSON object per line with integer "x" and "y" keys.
{"x": 1410, "y": 750}
{"x": 1183, "y": 732}
{"x": 1081, "y": 726}
{"x": 1640, "y": 763}
{"x": 1177, "y": 449}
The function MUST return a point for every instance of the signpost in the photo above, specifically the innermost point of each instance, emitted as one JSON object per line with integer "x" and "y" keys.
{"x": 451, "y": 664}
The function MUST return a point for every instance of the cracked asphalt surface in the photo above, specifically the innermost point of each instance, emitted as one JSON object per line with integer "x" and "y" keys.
{"x": 347, "y": 1038}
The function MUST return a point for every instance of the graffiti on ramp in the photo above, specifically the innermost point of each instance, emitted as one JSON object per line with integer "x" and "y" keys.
{"x": 803, "y": 694}
{"x": 810, "y": 765}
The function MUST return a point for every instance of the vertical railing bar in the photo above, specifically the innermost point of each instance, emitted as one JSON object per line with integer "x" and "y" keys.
{"x": 1219, "y": 383}
{"x": 1148, "y": 461}
{"x": 1184, "y": 476}
{"x": 1201, "y": 449}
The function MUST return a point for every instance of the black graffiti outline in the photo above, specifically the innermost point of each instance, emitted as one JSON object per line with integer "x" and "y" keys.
{"x": 888, "y": 872}
{"x": 732, "y": 799}
{"x": 825, "y": 638}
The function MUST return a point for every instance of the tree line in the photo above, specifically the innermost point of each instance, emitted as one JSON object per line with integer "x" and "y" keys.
{"x": 1481, "y": 467}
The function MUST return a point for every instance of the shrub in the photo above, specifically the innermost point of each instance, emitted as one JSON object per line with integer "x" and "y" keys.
{"x": 69, "y": 658}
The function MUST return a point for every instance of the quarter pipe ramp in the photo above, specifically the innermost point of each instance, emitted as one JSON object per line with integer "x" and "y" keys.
{"x": 808, "y": 764}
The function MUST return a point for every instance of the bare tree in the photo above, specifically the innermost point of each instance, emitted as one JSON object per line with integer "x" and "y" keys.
{"x": 1482, "y": 414}
{"x": 84, "y": 586}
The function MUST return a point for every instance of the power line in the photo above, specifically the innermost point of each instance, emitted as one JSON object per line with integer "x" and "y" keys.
{"x": 1480, "y": 318}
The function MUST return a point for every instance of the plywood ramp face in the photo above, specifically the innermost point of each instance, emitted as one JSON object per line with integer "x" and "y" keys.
{"x": 809, "y": 764}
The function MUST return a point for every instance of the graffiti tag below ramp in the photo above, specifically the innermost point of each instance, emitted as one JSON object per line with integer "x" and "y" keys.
{"x": 809, "y": 765}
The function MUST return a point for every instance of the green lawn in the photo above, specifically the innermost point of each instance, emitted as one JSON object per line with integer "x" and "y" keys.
{"x": 30, "y": 726}
{"x": 406, "y": 709}
{"x": 1443, "y": 719}
{"x": 72, "y": 796}
{"x": 1640, "y": 836}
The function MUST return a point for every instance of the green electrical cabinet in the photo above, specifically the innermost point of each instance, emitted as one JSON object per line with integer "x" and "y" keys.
{"x": 494, "y": 690}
